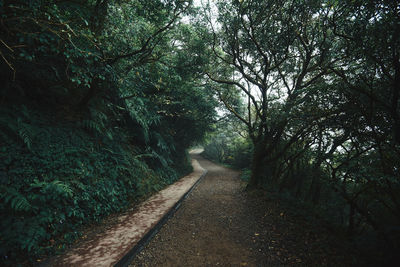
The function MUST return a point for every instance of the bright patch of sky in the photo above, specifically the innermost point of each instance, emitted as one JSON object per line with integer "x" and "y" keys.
{"x": 202, "y": 4}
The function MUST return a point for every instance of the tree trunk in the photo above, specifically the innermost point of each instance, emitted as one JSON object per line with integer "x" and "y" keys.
{"x": 317, "y": 192}
{"x": 350, "y": 227}
{"x": 314, "y": 192}
{"x": 263, "y": 169}
{"x": 256, "y": 168}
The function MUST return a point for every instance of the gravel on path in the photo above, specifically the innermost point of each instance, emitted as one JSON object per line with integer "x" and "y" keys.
{"x": 221, "y": 224}
{"x": 205, "y": 230}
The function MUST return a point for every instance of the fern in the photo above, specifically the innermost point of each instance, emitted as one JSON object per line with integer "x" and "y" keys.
{"x": 121, "y": 168}
{"x": 92, "y": 125}
{"x": 16, "y": 200}
{"x": 109, "y": 135}
{"x": 98, "y": 123}
{"x": 24, "y": 132}
{"x": 17, "y": 128}
{"x": 62, "y": 188}
{"x": 54, "y": 188}
{"x": 163, "y": 161}
{"x": 161, "y": 143}
{"x": 141, "y": 114}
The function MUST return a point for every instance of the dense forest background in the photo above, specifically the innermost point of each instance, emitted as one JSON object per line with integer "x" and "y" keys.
{"x": 100, "y": 100}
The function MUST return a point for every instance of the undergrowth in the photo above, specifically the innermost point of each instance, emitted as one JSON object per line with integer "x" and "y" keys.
{"x": 56, "y": 176}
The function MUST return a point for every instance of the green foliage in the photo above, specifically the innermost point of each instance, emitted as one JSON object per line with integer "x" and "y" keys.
{"x": 245, "y": 175}
{"x": 95, "y": 112}
{"x": 320, "y": 85}
{"x": 226, "y": 144}
{"x": 68, "y": 178}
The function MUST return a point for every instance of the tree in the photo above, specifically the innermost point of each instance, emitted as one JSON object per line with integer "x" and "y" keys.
{"x": 96, "y": 110}
{"x": 320, "y": 83}
{"x": 276, "y": 50}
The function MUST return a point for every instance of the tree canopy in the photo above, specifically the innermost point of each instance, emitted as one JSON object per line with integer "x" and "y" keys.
{"x": 100, "y": 100}
{"x": 319, "y": 81}
{"x": 97, "y": 101}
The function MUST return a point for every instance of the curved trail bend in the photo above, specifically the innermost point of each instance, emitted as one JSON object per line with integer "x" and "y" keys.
{"x": 220, "y": 224}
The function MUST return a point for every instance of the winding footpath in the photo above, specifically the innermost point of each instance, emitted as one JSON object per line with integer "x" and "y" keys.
{"x": 220, "y": 224}
{"x": 208, "y": 229}
{"x": 208, "y": 219}
{"x": 120, "y": 242}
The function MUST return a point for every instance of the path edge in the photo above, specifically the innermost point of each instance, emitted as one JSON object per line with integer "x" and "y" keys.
{"x": 128, "y": 257}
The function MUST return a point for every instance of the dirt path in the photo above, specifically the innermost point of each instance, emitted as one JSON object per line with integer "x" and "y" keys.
{"x": 220, "y": 224}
